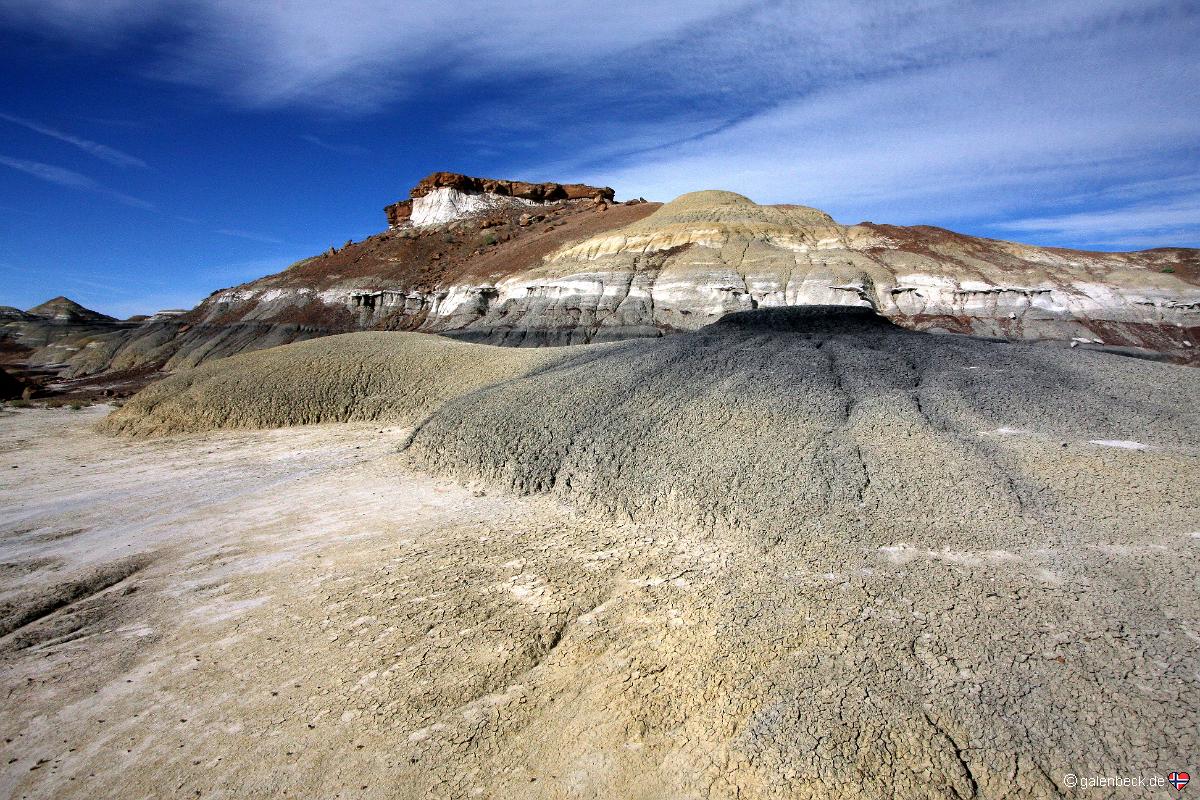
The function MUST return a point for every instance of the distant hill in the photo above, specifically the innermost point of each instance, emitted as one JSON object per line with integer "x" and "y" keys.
{"x": 64, "y": 308}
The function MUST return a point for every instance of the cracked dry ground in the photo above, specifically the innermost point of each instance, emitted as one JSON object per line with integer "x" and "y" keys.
{"x": 299, "y": 612}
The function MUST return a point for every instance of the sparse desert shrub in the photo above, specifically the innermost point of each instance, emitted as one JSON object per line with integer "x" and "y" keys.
{"x": 490, "y": 239}
{"x": 1168, "y": 269}
{"x": 20, "y": 403}
{"x": 76, "y": 406}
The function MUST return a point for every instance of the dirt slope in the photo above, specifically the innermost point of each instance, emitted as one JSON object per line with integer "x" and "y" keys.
{"x": 315, "y": 296}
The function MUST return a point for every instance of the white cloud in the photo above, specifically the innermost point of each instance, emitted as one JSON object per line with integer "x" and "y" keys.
{"x": 250, "y": 235}
{"x": 101, "y": 151}
{"x": 72, "y": 180}
{"x": 358, "y": 53}
{"x": 1143, "y": 222}
{"x": 333, "y": 147}
{"x": 1022, "y": 125}
{"x": 903, "y": 111}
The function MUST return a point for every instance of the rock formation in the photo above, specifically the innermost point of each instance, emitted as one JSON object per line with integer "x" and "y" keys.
{"x": 396, "y": 280}
{"x": 443, "y": 197}
{"x": 64, "y": 309}
{"x": 534, "y": 192}
{"x": 707, "y": 254}
{"x": 513, "y": 263}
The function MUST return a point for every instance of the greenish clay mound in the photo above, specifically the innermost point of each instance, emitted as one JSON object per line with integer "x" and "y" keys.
{"x": 397, "y": 377}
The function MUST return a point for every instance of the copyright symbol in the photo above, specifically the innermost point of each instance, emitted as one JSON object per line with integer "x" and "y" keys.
{"x": 1072, "y": 780}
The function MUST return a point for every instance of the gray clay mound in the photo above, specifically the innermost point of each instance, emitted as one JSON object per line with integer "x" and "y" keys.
{"x": 779, "y": 424}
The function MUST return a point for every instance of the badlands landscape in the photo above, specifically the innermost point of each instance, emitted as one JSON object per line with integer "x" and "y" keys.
{"x": 538, "y": 494}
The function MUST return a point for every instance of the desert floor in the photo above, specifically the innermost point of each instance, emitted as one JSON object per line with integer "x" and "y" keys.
{"x": 300, "y": 612}
{"x": 181, "y": 597}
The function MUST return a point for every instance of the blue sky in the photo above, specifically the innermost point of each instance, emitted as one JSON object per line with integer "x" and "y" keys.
{"x": 151, "y": 152}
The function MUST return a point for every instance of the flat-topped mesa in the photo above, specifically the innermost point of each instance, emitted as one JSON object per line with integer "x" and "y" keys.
{"x": 536, "y": 192}
{"x": 442, "y": 197}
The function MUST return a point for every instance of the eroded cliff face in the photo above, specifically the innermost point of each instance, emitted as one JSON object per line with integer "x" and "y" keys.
{"x": 525, "y": 264}
{"x": 533, "y": 192}
{"x": 711, "y": 253}
{"x": 707, "y": 254}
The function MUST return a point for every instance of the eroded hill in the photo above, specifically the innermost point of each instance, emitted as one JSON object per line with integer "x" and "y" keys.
{"x": 528, "y": 264}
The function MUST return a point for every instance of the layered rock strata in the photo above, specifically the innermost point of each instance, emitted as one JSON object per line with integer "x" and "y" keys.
{"x": 53, "y": 333}
{"x": 708, "y": 254}
{"x": 711, "y": 253}
{"x": 514, "y": 263}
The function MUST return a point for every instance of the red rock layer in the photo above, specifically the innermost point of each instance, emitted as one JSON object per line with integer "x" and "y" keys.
{"x": 538, "y": 192}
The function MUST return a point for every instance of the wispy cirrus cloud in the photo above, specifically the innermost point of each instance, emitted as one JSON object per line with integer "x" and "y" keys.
{"x": 250, "y": 235}
{"x": 101, "y": 151}
{"x": 1043, "y": 122}
{"x": 61, "y": 176}
{"x": 343, "y": 149}
{"x": 1147, "y": 224}
{"x": 357, "y": 55}
{"x": 940, "y": 111}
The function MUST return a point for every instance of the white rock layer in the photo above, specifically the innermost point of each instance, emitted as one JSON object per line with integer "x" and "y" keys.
{"x": 445, "y": 205}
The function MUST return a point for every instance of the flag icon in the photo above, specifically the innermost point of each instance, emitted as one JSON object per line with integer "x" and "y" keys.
{"x": 1178, "y": 779}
